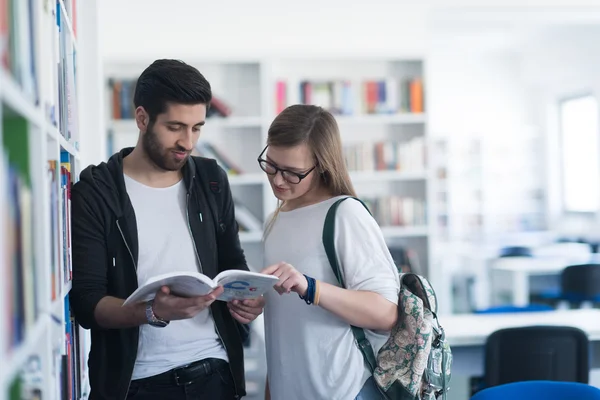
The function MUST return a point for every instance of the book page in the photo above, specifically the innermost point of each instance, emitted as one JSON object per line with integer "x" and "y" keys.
{"x": 184, "y": 284}
{"x": 242, "y": 285}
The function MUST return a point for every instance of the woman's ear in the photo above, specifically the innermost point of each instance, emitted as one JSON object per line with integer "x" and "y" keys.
{"x": 324, "y": 176}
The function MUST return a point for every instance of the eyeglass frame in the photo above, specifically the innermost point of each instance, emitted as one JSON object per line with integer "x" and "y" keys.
{"x": 277, "y": 169}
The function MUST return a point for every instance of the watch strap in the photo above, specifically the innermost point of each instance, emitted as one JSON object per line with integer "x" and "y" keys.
{"x": 152, "y": 318}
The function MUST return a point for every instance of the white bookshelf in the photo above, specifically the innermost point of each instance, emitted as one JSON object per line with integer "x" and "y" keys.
{"x": 479, "y": 197}
{"x": 40, "y": 125}
{"x": 249, "y": 87}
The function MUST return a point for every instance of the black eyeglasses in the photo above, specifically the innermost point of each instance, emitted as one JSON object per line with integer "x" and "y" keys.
{"x": 289, "y": 176}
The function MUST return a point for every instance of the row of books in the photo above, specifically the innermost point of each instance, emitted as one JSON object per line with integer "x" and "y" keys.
{"x": 401, "y": 156}
{"x": 19, "y": 274}
{"x": 66, "y": 120}
{"x": 29, "y": 383}
{"x": 17, "y": 44}
{"x": 69, "y": 359}
{"x": 209, "y": 150}
{"x": 475, "y": 224}
{"x": 59, "y": 181}
{"x": 397, "y": 210}
{"x": 406, "y": 156}
{"x": 347, "y": 97}
{"x": 20, "y": 50}
{"x": 247, "y": 221}
{"x": 23, "y": 289}
{"x": 388, "y": 211}
{"x": 122, "y": 107}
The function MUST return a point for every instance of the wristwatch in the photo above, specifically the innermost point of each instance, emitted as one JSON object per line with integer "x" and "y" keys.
{"x": 152, "y": 319}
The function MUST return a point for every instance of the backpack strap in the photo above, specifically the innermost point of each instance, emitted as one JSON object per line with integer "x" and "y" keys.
{"x": 328, "y": 242}
{"x": 210, "y": 177}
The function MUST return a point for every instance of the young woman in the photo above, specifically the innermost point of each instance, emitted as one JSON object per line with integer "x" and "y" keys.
{"x": 311, "y": 352}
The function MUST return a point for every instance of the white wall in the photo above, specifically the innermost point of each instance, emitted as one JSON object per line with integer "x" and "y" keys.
{"x": 188, "y": 29}
{"x": 91, "y": 84}
{"x": 561, "y": 63}
{"x": 473, "y": 93}
{"x": 493, "y": 73}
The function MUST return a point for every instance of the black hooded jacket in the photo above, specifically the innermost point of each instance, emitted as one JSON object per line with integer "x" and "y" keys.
{"x": 105, "y": 253}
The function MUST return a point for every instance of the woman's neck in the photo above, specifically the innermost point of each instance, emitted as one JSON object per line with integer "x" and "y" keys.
{"x": 314, "y": 196}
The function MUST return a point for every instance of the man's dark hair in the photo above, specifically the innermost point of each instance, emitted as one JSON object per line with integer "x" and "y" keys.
{"x": 170, "y": 81}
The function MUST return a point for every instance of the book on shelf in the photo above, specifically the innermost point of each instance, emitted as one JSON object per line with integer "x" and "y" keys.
{"x": 246, "y": 220}
{"x": 29, "y": 383}
{"x": 66, "y": 180}
{"x": 22, "y": 301}
{"x": 403, "y": 156}
{"x": 122, "y": 92}
{"x": 208, "y": 150}
{"x": 356, "y": 97}
{"x": 218, "y": 108}
{"x": 67, "y": 90}
{"x": 72, "y": 359}
{"x": 237, "y": 285}
{"x": 397, "y": 210}
{"x": 52, "y": 180}
{"x": 17, "y": 44}
{"x": 59, "y": 179}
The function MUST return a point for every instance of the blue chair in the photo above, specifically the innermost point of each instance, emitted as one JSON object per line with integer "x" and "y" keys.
{"x": 543, "y": 390}
{"x": 534, "y": 353}
{"x": 581, "y": 283}
{"x": 515, "y": 309}
{"x": 537, "y": 353}
{"x": 515, "y": 251}
{"x": 578, "y": 284}
{"x": 477, "y": 383}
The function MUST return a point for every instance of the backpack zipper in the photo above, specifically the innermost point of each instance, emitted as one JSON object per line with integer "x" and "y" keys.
{"x": 187, "y": 203}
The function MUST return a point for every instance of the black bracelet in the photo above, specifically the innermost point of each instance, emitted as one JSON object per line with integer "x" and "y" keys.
{"x": 310, "y": 291}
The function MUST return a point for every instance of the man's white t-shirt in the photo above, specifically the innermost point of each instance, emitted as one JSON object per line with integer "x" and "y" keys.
{"x": 311, "y": 353}
{"x": 165, "y": 245}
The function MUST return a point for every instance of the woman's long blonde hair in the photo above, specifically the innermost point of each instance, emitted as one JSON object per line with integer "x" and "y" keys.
{"x": 312, "y": 125}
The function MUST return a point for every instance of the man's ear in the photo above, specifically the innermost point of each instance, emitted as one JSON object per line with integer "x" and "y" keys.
{"x": 142, "y": 119}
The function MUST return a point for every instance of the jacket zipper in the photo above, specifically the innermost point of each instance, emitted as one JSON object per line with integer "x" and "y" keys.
{"x": 187, "y": 203}
{"x": 135, "y": 266}
{"x": 126, "y": 245}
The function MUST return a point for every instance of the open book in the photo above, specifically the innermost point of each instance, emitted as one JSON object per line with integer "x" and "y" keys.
{"x": 237, "y": 285}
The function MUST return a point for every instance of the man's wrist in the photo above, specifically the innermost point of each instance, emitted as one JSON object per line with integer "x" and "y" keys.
{"x": 138, "y": 313}
{"x": 152, "y": 318}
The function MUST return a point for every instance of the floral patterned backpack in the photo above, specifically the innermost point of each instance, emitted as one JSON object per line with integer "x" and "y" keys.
{"x": 415, "y": 362}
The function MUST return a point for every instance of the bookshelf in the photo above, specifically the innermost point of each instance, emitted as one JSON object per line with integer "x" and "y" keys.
{"x": 380, "y": 107}
{"x": 43, "y": 348}
{"x": 479, "y": 198}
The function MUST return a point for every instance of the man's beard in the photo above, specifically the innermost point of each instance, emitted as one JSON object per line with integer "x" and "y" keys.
{"x": 163, "y": 158}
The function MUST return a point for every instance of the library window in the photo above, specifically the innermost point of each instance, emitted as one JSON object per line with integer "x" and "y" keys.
{"x": 580, "y": 153}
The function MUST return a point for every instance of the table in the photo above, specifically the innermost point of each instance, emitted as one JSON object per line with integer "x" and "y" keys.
{"x": 467, "y": 333}
{"x": 521, "y": 269}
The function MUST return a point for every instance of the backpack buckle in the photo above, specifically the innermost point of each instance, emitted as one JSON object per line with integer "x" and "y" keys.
{"x": 427, "y": 390}
{"x": 364, "y": 344}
